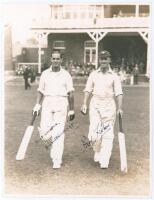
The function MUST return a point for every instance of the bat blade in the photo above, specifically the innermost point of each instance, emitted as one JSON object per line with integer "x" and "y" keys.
{"x": 25, "y": 140}
{"x": 24, "y": 143}
{"x": 123, "y": 155}
{"x": 122, "y": 146}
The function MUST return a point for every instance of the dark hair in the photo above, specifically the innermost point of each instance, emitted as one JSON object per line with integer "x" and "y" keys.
{"x": 56, "y": 51}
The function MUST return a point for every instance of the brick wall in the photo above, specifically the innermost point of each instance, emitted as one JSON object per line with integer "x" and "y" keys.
{"x": 74, "y": 45}
{"x": 132, "y": 48}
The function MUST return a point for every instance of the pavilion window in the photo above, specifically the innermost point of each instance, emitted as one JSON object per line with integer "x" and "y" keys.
{"x": 59, "y": 45}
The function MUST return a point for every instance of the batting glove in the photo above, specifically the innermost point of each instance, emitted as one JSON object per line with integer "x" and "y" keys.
{"x": 84, "y": 109}
{"x": 71, "y": 115}
{"x": 36, "y": 109}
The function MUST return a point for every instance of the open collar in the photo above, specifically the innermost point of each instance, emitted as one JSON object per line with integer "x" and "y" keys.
{"x": 52, "y": 70}
{"x": 110, "y": 71}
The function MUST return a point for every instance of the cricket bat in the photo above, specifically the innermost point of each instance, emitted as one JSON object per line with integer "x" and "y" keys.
{"x": 122, "y": 147}
{"x": 26, "y": 139}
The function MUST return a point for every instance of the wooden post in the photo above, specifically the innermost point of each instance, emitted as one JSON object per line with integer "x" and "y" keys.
{"x": 148, "y": 64}
{"x": 96, "y": 54}
{"x": 137, "y": 11}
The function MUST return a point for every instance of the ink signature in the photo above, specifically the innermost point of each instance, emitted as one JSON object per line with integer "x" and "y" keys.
{"x": 51, "y": 128}
{"x": 85, "y": 142}
{"x": 102, "y": 128}
{"x": 48, "y": 142}
{"x": 55, "y": 138}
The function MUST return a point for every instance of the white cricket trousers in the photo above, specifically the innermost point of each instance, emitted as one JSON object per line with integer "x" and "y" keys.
{"x": 54, "y": 111}
{"x": 102, "y": 111}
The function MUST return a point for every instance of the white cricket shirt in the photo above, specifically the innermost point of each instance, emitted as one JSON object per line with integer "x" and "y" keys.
{"x": 104, "y": 85}
{"x": 55, "y": 83}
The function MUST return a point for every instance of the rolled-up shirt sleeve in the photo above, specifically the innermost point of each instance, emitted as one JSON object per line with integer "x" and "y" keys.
{"x": 117, "y": 86}
{"x": 89, "y": 84}
{"x": 69, "y": 84}
{"x": 41, "y": 87}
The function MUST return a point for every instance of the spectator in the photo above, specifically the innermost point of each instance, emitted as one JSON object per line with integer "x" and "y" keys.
{"x": 141, "y": 67}
{"x": 33, "y": 75}
{"x": 135, "y": 74}
{"x": 26, "y": 76}
{"x": 120, "y": 14}
{"x": 71, "y": 68}
{"x": 128, "y": 71}
{"x": 116, "y": 70}
{"x": 95, "y": 19}
{"x": 122, "y": 74}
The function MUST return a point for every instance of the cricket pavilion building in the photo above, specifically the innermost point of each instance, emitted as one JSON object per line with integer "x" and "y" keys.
{"x": 80, "y": 31}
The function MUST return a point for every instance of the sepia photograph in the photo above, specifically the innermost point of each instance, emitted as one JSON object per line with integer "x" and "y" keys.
{"x": 76, "y": 99}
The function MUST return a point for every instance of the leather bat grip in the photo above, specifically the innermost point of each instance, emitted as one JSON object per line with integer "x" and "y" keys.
{"x": 120, "y": 123}
{"x": 33, "y": 119}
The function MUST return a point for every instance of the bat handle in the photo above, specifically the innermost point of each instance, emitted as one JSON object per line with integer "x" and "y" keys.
{"x": 33, "y": 118}
{"x": 120, "y": 123}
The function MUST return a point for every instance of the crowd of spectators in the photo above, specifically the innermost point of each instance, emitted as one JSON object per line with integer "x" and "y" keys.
{"x": 78, "y": 69}
{"x": 123, "y": 68}
{"x": 129, "y": 72}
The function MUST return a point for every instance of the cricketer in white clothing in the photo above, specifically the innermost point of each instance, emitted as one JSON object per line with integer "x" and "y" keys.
{"x": 104, "y": 85}
{"x": 56, "y": 86}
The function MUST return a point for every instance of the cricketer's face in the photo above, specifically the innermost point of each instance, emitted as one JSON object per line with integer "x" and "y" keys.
{"x": 104, "y": 62}
{"x": 56, "y": 60}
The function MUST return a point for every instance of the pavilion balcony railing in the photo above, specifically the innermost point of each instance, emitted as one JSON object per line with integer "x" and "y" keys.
{"x": 115, "y": 22}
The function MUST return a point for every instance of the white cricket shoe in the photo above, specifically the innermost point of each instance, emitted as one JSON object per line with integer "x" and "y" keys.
{"x": 96, "y": 157}
{"x": 103, "y": 166}
{"x": 56, "y": 166}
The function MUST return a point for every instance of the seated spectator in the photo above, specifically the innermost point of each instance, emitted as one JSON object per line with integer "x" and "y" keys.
{"x": 116, "y": 70}
{"x": 128, "y": 71}
{"x": 120, "y": 14}
{"x": 114, "y": 15}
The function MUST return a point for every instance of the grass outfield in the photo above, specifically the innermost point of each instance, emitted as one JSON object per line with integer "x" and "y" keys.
{"x": 79, "y": 174}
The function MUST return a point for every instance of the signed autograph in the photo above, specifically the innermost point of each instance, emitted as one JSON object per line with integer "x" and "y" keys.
{"x": 55, "y": 138}
{"x": 102, "y": 128}
{"x": 85, "y": 142}
{"x": 51, "y": 128}
{"x": 50, "y": 141}
{"x": 47, "y": 137}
